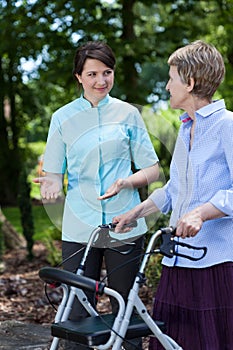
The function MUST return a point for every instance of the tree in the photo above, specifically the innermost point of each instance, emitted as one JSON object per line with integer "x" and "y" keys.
{"x": 25, "y": 207}
{"x": 46, "y": 33}
{"x": 9, "y": 237}
{"x": 18, "y": 102}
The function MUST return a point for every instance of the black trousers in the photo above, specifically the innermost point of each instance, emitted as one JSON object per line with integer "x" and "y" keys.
{"x": 121, "y": 271}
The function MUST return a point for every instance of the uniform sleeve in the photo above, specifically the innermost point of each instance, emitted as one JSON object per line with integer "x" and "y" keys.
{"x": 55, "y": 151}
{"x": 142, "y": 150}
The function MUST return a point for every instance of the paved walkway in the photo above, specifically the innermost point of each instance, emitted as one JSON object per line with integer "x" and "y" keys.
{"x": 22, "y": 336}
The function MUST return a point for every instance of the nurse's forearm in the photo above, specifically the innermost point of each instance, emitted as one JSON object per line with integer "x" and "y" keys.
{"x": 142, "y": 177}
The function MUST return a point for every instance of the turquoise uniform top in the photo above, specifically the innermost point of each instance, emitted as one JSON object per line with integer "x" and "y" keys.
{"x": 96, "y": 146}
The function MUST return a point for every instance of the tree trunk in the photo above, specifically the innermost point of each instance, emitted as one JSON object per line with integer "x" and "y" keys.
{"x": 128, "y": 38}
{"x": 12, "y": 239}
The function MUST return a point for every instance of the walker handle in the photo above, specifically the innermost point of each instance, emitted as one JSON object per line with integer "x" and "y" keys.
{"x": 169, "y": 244}
{"x": 111, "y": 226}
{"x": 104, "y": 239}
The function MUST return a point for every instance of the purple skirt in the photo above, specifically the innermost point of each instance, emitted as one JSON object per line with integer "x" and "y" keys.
{"x": 196, "y": 306}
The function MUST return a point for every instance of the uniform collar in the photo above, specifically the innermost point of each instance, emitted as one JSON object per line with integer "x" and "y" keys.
{"x": 87, "y": 104}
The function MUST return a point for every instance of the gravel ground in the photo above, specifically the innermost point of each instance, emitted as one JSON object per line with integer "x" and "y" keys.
{"x": 25, "y": 313}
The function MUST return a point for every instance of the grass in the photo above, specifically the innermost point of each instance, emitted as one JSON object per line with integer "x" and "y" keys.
{"x": 42, "y": 223}
{"x": 46, "y": 230}
{"x": 47, "y": 218}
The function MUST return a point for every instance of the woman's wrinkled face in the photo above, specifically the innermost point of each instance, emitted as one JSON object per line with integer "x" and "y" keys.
{"x": 97, "y": 80}
{"x": 179, "y": 91}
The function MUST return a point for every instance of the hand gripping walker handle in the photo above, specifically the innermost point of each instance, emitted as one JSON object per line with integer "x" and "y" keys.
{"x": 111, "y": 226}
{"x": 105, "y": 240}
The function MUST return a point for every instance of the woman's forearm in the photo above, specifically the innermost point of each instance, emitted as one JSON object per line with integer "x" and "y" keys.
{"x": 143, "y": 177}
{"x": 139, "y": 179}
{"x": 143, "y": 209}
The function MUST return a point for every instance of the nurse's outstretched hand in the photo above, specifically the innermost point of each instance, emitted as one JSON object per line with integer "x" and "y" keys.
{"x": 50, "y": 185}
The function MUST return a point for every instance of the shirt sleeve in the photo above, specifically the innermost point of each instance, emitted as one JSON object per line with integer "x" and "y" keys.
{"x": 223, "y": 199}
{"x": 161, "y": 198}
{"x": 142, "y": 150}
{"x": 55, "y": 151}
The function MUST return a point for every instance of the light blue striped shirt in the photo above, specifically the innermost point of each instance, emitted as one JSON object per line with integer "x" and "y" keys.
{"x": 202, "y": 174}
{"x": 96, "y": 146}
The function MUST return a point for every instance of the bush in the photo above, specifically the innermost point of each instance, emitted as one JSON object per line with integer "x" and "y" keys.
{"x": 153, "y": 268}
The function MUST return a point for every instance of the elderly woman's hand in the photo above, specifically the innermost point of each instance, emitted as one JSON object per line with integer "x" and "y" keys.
{"x": 191, "y": 223}
{"x": 121, "y": 221}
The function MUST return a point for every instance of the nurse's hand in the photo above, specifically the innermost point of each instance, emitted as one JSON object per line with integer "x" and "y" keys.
{"x": 114, "y": 189}
{"x": 50, "y": 185}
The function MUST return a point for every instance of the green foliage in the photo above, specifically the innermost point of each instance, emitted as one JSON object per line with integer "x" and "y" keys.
{"x": 162, "y": 126}
{"x": 54, "y": 256}
{"x": 49, "y": 238}
{"x": 49, "y": 233}
{"x": 37, "y": 148}
{"x": 153, "y": 268}
{"x": 35, "y": 152}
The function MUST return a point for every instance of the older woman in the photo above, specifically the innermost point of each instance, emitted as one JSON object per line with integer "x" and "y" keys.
{"x": 195, "y": 299}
